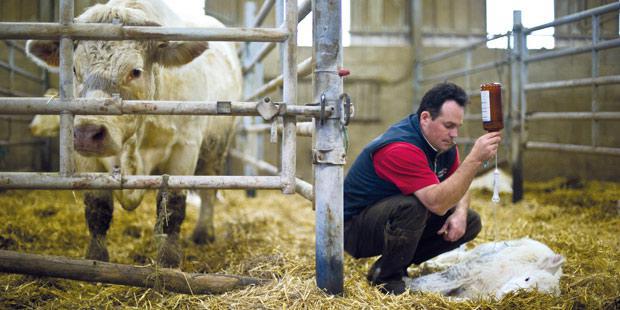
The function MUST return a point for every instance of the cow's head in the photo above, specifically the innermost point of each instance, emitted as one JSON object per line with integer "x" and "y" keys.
{"x": 104, "y": 68}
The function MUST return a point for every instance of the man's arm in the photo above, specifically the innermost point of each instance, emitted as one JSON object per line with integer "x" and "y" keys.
{"x": 455, "y": 226}
{"x": 439, "y": 198}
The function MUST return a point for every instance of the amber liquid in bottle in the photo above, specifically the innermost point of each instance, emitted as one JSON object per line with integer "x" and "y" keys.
{"x": 491, "y": 99}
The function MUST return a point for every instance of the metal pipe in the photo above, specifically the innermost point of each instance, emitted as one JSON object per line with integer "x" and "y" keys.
{"x": 304, "y": 68}
{"x": 20, "y": 143}
{"x": 111, "y": 106}
{"x": 12, "y": 44}
{"x": 574, "y": 116}
{"x": 516, "y": 122}
{"x": 251, "y": 80}
{"x": 111, "y": 32}
{"x": 447, "y": 54}
{"x": 289, "y": 94}
{"x": 262, "y": 13}
{"x": 472, "y": 117}
{"x": 603, "y": 80}
{"x": 304, "y": 129}
{"x": 15, "y": 93}
{"x": 328, "y": 147}
{"x": 301, "y": 187}
{"x": 36, "y": 180}
{"x": 304, "y": 10}
{"x": 573, "y": 51}
{"x": 66, "y": 90}
{"x": 20, "y": 71}
{"x": 577, "y": 16}
{"x": 587, "y": 149}
{"x": 416, "y": 40}
{"x": 265, "y": 50}
{"x": 462, "y": 72}
{"x": 594, "y": 132}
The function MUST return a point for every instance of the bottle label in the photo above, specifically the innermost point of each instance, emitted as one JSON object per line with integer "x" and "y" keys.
{"x": 486, "y": 105}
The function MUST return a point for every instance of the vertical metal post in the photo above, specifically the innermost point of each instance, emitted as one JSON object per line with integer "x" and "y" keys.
{"x": 508, "y": 111}
{"x": 468, "y": 62}
{"x": 328, "y": 146}
{"x": 516, "y": 91}
{"x": 66, "y": 91}
{"x": 46, "y": 14}
{"x": 416, "y": 33}
{"x": 245, "y": 139}
{"x": 595, "y": 73}
{"x": 289, "y": 94}
{"x": 11, "y": 67}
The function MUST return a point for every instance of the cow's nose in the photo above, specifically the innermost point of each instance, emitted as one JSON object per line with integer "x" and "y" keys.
{"x": 90, "y": 132}
{"x": 89, "y": 138}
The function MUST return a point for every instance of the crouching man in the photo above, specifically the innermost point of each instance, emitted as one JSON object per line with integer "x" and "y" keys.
{"x": 406, "y": 195}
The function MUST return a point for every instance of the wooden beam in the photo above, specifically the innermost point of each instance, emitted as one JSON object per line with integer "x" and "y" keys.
{"x": 95, "y": 271}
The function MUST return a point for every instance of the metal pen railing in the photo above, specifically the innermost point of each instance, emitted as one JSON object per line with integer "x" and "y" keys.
{"x": 328, "y": 200}
{"x": 518, "y": 59}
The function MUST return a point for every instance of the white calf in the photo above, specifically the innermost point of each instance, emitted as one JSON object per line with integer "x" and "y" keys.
{"x": 495, "y": 269}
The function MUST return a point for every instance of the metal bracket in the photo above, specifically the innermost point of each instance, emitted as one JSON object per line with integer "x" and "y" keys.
{"x": 347, "y": 107}
{"x": 335, "y": 156}
{"x": 223, "y": 107}
{"x": 267, "y": 109}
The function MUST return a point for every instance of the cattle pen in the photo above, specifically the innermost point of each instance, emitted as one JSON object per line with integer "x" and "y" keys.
{"x": 329, "y": 114}
{"x": 273, "y": 250}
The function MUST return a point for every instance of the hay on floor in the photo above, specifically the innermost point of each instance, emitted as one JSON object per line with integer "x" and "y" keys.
{"x": 272, "y": 237}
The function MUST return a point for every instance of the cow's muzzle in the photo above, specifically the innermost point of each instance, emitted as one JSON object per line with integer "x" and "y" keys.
{"x": 92, "y": 140}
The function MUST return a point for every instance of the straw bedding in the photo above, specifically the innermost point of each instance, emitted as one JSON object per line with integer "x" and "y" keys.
{"x": 272, "y": 237}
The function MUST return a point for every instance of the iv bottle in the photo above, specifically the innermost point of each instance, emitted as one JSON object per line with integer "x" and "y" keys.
{"x": 491, "y": 99}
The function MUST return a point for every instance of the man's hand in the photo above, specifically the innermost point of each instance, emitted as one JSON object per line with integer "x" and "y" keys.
{"x": 454, "y": 227}
{"x": 486, "y": 146}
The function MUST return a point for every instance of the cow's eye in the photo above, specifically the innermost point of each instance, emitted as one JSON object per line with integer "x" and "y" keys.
{"x": 527, "y": 279}
{"x": 136, "y": 73}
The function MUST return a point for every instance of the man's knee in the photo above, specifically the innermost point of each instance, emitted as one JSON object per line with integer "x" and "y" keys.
{"x": 474, "y": 225}
{"x": 409, "y": 211}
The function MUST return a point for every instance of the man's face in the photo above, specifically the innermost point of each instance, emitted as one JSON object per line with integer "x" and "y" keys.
{"x": 443, "y": 130}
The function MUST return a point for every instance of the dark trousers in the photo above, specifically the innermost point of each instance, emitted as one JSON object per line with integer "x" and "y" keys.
{"x": 364, "y": 234}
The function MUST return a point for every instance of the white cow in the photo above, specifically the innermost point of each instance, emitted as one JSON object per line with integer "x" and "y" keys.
{"x": 495, "y": 269}
{"x": 147, "y": 144}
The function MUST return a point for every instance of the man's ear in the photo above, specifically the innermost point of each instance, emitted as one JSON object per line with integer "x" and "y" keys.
{"x": 44, "y": 53}
{"x": 425, "y": 115}
{"x": 171, "y": 54}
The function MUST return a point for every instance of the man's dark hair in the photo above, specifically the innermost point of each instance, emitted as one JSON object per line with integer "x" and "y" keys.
{"x": 434, "y": 98}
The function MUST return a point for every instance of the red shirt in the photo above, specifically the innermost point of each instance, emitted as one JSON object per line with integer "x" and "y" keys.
{"x": 406, "y": 166}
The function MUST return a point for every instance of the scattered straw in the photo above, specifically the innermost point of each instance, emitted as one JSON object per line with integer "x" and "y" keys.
{"x": 272, "y": 237}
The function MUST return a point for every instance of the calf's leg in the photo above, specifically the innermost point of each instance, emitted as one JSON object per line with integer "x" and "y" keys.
{"x": 170, "y": 216}
{"x": 99, "y": 207}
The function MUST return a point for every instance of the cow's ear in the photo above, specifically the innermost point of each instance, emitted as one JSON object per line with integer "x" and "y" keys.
{"x": 171, "y": 54}
{"x": 44, "y": 53}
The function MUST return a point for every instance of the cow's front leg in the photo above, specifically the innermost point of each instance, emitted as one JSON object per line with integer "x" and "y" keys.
{"x": 205, "y": 230}
{"x": 170, "y": 216}
{"x": 99, "y": 207}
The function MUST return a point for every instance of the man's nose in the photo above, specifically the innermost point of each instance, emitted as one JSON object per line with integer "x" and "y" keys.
{"x": 454, "y": 132}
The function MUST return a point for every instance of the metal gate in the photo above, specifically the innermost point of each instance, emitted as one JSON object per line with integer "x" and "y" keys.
{"x": 329, "y": 126}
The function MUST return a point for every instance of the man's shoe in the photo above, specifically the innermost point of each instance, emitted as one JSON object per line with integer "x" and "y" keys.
{"x": 393, "y": 285}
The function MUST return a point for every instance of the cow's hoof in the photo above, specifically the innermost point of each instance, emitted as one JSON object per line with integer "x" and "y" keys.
{"x": 169, "y": 254}
{"x": 203, "y": 237}
{"x": 97, "y": 250}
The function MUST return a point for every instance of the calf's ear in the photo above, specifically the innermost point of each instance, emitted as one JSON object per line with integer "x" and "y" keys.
{"x": 44, "y": 53}
{"x": 552, "y": 263}
{"x": 171, "y": 54}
